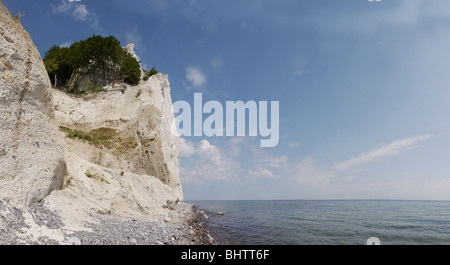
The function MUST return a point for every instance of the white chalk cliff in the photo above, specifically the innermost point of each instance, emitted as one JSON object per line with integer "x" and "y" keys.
{"x": 134, "y": 175}
{"x": 138, "y": 171}
{"x": 32, "y": 161}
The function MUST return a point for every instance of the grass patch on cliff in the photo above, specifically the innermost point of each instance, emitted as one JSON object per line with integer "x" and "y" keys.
{"x": 107, "y": 137}
{"x": 74, "y": 134}
{"x": 126, "y": 144}
{"x": 101, "y": 136}
{"x": 93, "y": 176}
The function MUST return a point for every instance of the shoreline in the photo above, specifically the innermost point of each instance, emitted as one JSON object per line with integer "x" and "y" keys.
{"x": 199, "y": 232}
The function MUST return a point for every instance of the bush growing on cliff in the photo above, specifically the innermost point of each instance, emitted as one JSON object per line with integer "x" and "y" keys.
{"x": 150, "y": 73}
{"x": 19, "y": 16}
{"x": 100, "y": 57}
{"x": 58, "y": 66}
{"x": 130, "y": 70}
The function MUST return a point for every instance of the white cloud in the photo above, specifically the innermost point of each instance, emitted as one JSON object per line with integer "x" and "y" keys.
{"x": 343, "y": 181}
{"x": 239, "y": 161}
{"x": 65, "y": 45}
{"x": 195, "y": 76}
{"x": 187, "y": 148}
{"x": 206, "y": 162}
{"x": 390, "y": 149}
{"x": 78, "y": 11}
{"x": 225, "y": 161}
{"x": 209, "y": 152}
{"x": 205, "y": 150}
{"x": 261, "y": 173}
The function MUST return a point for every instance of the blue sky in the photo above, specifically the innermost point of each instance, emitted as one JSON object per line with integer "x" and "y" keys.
{"x": 363, "y": 88}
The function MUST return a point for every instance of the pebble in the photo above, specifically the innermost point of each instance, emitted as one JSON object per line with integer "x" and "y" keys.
{"x": 108, "y": 230}
{"x": 73, "y": 241}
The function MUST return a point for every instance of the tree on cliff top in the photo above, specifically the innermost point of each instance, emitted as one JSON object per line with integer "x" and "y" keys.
{"x": 130, "y": 70}
{"x": 101, "y": 57}
{"x": 57, "y": 65}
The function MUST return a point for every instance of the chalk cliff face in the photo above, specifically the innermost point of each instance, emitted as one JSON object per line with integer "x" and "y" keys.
{"x": 32, "y": 161}
{"x": 109, "y": 152}
{"x": 135, "y": 167}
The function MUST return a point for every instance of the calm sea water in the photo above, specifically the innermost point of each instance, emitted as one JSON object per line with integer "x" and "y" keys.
{"x": 328, "y": 222}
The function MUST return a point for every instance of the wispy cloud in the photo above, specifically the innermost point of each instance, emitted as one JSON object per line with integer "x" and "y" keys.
{"x": 403, "y": 13}
{"x": 239, "y": 161}
{"x": 78, "y": 11}
{"x": 390, "y": 149}
{"x": 195, "y": 76}
{"x": 133, "y": 35}
{"x": 261, "y": 173}
{"x": 262, "y": 157}
{"x": 306, "y": 172}
{"x": 216, "y": 63}
{"x": 300, "y": 67}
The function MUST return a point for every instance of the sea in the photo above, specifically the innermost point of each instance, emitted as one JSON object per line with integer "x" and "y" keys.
{"x": 328, "y": 222}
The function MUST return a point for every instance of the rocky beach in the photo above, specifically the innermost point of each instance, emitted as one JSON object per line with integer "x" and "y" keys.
{"x": 183, "y": 225}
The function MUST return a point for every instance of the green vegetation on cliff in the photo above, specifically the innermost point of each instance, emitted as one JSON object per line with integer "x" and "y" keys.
{"x": 107, "y": 137}
{"x": 100, "y": 58}
{"x": 150, "y": 73}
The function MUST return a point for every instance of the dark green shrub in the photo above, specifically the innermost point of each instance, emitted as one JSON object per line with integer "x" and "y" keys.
{"x": 150, "y": 73}
{"x": 130, "y": 70}
{"x": 101, "y": 57}
{"x": 57, "y": 65}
